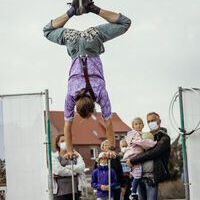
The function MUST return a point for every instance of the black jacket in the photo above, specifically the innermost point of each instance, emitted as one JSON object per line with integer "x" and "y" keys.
{"x": 159, "y": 154}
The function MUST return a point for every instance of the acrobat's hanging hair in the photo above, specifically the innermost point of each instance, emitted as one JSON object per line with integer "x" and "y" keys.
{"x": 84, "y": 105}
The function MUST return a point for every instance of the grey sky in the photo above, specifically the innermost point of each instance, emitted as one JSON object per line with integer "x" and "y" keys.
{"x": 143, "y": 68}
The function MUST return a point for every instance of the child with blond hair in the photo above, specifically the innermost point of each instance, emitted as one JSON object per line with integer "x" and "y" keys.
{"x": 136, "y": 145}
{"x": 100, "y": 178}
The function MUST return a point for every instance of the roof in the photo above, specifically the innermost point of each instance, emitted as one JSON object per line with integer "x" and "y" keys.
{"x": 88, "y": 131}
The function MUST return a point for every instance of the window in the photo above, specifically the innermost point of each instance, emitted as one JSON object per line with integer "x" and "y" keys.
{"x": 117, "y": 137}
{"x": 93, "y": 153}
{"x": 122, "y": 136}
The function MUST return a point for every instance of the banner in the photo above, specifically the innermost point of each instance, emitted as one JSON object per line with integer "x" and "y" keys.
{"x": 25, "y": 149}
{"x": 191, "y": 106}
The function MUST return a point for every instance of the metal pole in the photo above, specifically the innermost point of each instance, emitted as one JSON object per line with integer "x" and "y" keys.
{"x": 109, "y": 179}
{"x": 73, "y": 189}
{"x": 81, "y": 7}
{"x": 48, "y": 134}
{"x": 23, "y": 94}
{"x": 183, "y": 141}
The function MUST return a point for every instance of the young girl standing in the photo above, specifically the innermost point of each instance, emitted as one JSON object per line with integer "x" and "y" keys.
{"x": 100, "y": 178}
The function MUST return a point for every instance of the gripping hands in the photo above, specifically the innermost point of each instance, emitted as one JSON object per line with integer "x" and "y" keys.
{"x": 79, "y": 7}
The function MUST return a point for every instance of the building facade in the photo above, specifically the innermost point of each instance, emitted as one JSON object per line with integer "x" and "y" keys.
{"x": 87, "y": 134}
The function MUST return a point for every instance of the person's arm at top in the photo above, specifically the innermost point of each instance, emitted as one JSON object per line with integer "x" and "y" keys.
{"x": 118, "y": 25}
{"x": 162, "y": 146}
{"x": 54, "y": 30}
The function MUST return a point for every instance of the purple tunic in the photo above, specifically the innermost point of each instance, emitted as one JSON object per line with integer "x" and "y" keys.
{"x": 76, "y": 82}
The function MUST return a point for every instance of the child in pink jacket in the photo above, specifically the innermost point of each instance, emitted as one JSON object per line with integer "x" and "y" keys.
{"x": 136, "y": 145}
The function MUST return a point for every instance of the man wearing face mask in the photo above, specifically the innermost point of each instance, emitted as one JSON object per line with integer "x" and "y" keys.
{"x": 156, "y": 171}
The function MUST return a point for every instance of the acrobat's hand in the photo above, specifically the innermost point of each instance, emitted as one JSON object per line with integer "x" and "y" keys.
{"x": 71, "y": 12}
{"x": 75, "y": 8}
{"x": 91, "y": 7}
{"x": 78, "y": 8}
{"x": 84, "y": 6}
{"x": 71, "y": 155}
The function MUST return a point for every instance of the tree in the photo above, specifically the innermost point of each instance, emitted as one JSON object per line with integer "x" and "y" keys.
{"x": 176, "y": 162}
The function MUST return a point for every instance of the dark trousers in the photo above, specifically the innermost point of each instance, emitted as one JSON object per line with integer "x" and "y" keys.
{"x": 128, "y": 188}
{"x": 66, "y": 197}
{"x": 135, "y": 184}
{"x": 147, "y": 191}
{"x": 117, "y": 193}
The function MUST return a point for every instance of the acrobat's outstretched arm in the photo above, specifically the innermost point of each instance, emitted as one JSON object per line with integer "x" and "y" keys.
{"x": 68, "y": 138}
{"x": 55, "y": 31}
{"x": 62, "y": 20}
{"x": 110, "y": 133}
{"x": 118, "y": 25}
{"x": 109, "y": 16}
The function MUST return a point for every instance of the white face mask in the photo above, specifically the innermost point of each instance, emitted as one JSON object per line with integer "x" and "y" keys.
{"x": 103, "y": 164}
{"x": 124, "y": 149}
{"x": 153, "y": 126}
{"x": 63, "y": 146}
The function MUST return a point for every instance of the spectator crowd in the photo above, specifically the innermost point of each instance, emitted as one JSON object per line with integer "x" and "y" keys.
{"x": 134, "y": 173}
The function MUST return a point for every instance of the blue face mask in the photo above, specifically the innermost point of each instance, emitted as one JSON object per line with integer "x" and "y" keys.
{"x": 153, "y": 126}
{"x": 124, "y": 149}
